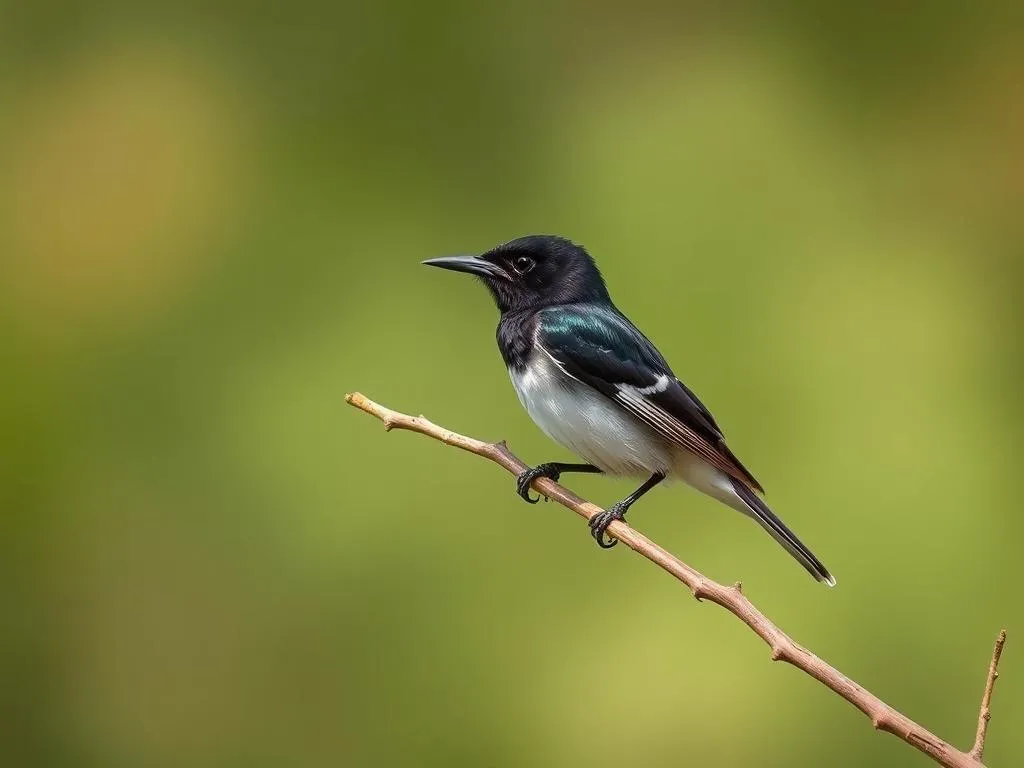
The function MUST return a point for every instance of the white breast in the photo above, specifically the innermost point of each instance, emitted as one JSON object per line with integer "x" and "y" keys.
{"x": 588, "y": 423}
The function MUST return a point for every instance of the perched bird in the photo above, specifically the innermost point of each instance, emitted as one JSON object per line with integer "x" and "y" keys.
{"x": 598, "y": 386}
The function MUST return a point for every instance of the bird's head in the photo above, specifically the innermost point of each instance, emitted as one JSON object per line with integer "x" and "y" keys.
{"x": 532, "y": 272}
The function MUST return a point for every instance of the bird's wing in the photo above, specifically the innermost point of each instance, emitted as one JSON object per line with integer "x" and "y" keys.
{"x": 601, "y": 348}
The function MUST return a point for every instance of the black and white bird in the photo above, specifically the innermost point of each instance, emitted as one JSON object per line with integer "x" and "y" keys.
{"x": 598, "y": 386}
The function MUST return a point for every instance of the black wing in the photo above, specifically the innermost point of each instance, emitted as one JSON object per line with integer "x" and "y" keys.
{"x": 601, "y": 348}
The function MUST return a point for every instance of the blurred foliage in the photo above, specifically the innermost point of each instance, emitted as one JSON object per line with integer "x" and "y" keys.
{"x": 211, "y": 218}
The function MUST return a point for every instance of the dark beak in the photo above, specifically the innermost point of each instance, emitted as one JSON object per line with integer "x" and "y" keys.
{"x": 474, "y": 265}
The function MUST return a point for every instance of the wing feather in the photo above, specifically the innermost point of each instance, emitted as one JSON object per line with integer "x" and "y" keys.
{"x": 603, "y": 350}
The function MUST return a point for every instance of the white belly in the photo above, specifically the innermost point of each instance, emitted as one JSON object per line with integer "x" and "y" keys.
{"x": 588, "y": 423}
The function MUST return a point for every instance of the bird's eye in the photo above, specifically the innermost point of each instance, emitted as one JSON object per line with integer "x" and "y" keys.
{"x": 523, "y": 264}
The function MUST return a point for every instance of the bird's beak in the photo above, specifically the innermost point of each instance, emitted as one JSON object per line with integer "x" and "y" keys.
{"x": 474, "y": 265}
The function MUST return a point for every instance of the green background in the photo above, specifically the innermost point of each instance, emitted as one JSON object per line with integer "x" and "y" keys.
{"x": 211, "y": 223}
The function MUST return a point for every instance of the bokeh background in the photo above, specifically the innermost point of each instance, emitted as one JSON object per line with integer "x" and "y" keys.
{"x": 211, "y": 222}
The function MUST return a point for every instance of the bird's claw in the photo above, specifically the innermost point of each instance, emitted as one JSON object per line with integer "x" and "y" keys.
{"x": 524, "y": 480}
{"x": 599, "y": 525}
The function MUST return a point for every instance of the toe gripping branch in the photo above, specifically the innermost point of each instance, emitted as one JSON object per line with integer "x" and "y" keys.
{"x": 551, "y": 470}
{"x": 599, "y": 524}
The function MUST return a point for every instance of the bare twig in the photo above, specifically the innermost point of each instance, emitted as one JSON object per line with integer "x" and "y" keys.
{"x": 986, "y": 700}
{"x": 783, "y": 648}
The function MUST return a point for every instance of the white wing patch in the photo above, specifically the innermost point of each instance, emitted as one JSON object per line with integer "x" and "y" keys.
{"x": 659, "y": 386}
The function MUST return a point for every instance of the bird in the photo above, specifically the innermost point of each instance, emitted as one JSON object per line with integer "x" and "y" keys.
{"x": 595, "y": 384}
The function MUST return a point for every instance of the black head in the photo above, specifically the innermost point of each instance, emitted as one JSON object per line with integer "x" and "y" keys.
{"x": 532, "y": 272}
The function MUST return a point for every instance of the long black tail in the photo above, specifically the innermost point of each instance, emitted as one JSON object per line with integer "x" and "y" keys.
{"x": 760, "y": 512}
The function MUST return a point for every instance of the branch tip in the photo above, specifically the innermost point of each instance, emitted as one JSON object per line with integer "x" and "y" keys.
{"x": 985, "y": 714}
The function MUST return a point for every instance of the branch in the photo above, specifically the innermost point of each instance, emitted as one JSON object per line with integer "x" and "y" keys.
{"x": 986, "y": 700}
{"x": 783, "y": 648}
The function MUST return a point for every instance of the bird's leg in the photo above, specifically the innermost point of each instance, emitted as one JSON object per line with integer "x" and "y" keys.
{"x": 553, "y": 470}
{"x": 599, "y": 523}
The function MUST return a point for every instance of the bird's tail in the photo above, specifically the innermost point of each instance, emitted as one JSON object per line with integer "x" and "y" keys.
{"x": 778, "y": 530}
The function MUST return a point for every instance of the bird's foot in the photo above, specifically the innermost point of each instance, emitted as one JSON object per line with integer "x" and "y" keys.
{"x": 599, "y": 524}
{"x": 549, "y": 470}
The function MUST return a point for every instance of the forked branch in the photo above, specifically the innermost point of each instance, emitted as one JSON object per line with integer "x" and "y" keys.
{"x": 783, "y": 648}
